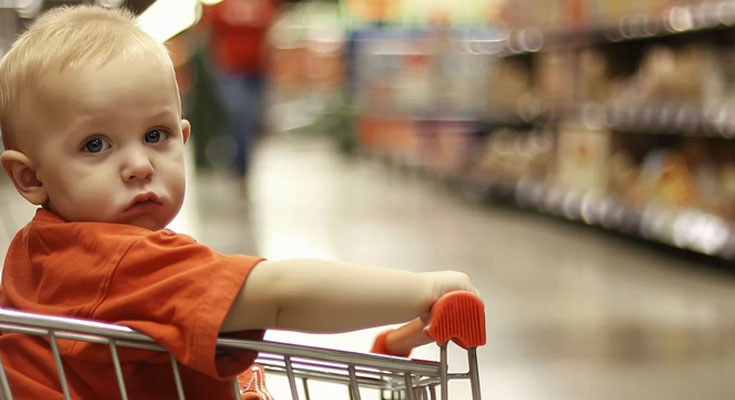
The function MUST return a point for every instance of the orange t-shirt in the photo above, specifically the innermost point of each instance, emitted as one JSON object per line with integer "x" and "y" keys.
{"x": 160, "y": 283}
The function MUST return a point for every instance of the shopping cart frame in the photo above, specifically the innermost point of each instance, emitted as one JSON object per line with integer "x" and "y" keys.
{"x": 398, "y": 376}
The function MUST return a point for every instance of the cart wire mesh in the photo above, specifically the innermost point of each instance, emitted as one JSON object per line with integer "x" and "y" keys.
{"x": 393, "y": 377}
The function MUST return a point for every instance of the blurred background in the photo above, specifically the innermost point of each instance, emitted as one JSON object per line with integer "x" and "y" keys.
{"x": 575, "y": 157}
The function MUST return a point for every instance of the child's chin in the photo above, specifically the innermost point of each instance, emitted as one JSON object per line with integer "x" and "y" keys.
{"x": 147, "y": 223}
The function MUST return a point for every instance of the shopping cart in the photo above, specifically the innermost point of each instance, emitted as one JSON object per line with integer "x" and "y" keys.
{"x": 457, "y": 317}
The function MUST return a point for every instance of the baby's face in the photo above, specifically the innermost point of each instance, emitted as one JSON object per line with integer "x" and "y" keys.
{"x": 109, "y": 143}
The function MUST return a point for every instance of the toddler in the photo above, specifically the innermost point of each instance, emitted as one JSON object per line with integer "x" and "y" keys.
{"x": 90, "y": 116}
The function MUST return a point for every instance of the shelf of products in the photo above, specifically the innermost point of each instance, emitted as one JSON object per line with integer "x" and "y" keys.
{"x": 631, "y": 131}
{"x": 690, "y": 229}
{"x": 645, "y": 124}
{"x": 653, "y": 118}
{"x": 653, "y": 23}
{"x": 672, "y": 119}
{"x": 659, "y": 200}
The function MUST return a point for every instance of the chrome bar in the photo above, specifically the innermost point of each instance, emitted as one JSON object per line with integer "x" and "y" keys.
{"x": 118, "y": 370}
{"x": 91, "y": 338}
{"x": 396, "y": 364}
{"x": 291, "y": 379}
{"x": 236, "y": 389}
{"x": 409, "y": 387}
{"x": 340, "y": 379}
{"x": 305, "y": 383}
{"x": 70, "y": 324}
{"x": 177, "y": 377}
{"x": 312, "y": 365}
{"x": 354, "y": 389}
{"x": 474, "y": 373}
{"x": 59, "y": 366}
{"x": 443, "y": 371}
{"x": 4, "y": 385}
{"x": 371, "y": 378}
{"x": 365, "y": 377}
{"x": 23, "y": 329}
{"x": 389, "y": 363}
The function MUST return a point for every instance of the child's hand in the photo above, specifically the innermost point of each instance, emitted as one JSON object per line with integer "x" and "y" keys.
{"x": 401, "y": 340}
{"x": 443, "y": 282}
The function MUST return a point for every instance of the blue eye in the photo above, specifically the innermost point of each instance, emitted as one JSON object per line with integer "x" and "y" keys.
{"x": 96, "y": 145}
{"x": 155, "y": 136}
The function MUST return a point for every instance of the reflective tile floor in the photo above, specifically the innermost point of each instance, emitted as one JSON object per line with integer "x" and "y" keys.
{"x": 572, "y": 313}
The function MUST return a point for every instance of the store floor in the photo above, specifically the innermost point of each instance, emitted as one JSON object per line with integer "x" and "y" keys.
{"x": 572, "y": 313}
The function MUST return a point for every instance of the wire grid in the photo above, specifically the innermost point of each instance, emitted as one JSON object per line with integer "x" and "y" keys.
{"x": 390, "y": 375}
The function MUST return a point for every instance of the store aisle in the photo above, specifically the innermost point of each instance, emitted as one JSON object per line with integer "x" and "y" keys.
{"x": 572, "y": 313}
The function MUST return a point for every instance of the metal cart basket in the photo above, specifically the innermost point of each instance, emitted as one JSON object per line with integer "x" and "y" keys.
{"x": 457, "y": 317}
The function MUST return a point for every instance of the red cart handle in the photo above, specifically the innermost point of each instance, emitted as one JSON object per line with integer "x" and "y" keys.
{"x": 456, "y": 316}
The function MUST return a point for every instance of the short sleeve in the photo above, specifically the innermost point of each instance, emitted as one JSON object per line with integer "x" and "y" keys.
{"x": 178, "y": 291}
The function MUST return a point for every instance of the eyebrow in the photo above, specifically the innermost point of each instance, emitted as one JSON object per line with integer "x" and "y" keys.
{"x": 171, "y": 115}
{"x": 163, "y": 112}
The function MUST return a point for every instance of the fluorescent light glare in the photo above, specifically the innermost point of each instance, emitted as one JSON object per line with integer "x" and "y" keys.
{"x": 28, "y": 8}
{"x": 110, "y": 3}
{"x": 164, "y": 19}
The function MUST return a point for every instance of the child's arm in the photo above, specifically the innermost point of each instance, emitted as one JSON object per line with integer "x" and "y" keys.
{"x": 324, "y": 297}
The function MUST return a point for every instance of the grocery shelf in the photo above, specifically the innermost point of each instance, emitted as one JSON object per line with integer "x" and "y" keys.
{"x": 653, "y": 118}
{"x": 641, "y": 106}
{"x": 671, "y": 21}
{"x": 674, "y": 119}
{"x": 689, "y": 229}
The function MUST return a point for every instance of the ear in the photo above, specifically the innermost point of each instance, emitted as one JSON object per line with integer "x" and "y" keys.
{"x": 185, "y": 129}
{"x": 22, "y": 172}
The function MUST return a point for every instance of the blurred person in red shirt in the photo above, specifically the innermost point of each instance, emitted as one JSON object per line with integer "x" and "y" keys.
{"x": 237, "y": 40}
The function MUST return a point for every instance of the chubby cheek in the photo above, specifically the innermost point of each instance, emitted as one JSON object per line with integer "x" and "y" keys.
{"x": 81, "y": 199}
{"x": 172, "y": 173}
{"x": 177, "y": 189}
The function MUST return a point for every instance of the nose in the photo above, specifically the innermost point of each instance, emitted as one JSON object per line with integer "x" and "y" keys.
{"x": 136, "y": 167}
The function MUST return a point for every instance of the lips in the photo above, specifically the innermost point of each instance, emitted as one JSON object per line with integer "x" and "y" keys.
{"x": 144, "y": 202}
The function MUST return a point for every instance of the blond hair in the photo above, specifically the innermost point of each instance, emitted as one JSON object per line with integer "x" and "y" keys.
{"x": 68, "y": 37}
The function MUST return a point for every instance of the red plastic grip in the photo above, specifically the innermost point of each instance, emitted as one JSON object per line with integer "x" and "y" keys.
{"x": 459, "y": 317}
